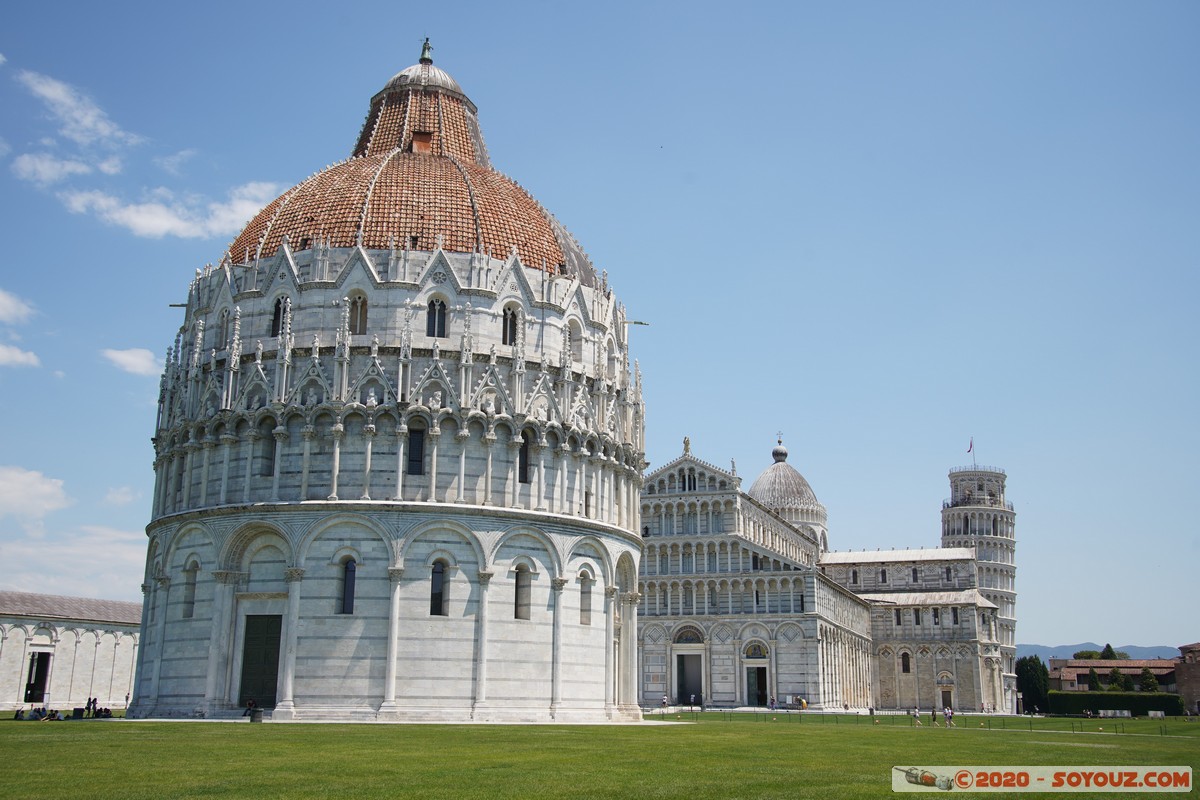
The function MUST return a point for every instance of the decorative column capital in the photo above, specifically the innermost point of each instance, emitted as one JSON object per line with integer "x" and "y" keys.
{"x": 293, "y": 574}
{"x": 462, "y": 435}
{"x": 485, "y": 576}
{"x": 280, "y": 434}
{"x": 163, "y": 581}
{"x": 557, "y": 584}
{"x": 309, "y": 432}
{"x": 395, "y": 574}
{"x": 145, "y": 588}
{"x": 228, "y": 577}
{"x": 610, "y": 592}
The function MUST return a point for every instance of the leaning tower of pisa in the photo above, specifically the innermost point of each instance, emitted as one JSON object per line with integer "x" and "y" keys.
{"x": 978, "y": 515}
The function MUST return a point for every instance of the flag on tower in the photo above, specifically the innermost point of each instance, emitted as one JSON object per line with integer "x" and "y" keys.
{"x": 971, "y": 446}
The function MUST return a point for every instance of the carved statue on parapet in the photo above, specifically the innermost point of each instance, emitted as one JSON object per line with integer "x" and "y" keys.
{"x": 435, "y": 401}
{"x": 311, "y": 399}
{"x": 372, "y": 400}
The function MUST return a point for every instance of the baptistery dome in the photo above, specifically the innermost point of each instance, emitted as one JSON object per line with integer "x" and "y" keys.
{"x": 419, "y": 176}
{"x": 398, "y": 450}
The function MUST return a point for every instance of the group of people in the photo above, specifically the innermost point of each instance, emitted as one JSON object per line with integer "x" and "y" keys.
{"x": 947, "y": 714}
{"x": 91, "y": 710}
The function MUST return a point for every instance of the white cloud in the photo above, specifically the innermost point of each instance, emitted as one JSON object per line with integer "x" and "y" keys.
{"x": 78, "y": 117}
{"x": 94, "y": 561}
{"x": 110, "y": 166}
{"x": 11, "y": 356}
{"x": 137, "y": 360}
{"x": 120, "y": 496}
{"x": 13, "y": 309}
{"x": 166, "y": 215}
{"x": 5, "y": 149}
{"x": 3, "y": 60}
{"x": 45, "y": 169}
{"x": 172, "y": 164}
{"x": 29, "y": 495}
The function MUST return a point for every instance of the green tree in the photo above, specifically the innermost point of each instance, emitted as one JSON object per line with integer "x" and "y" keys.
{"x": 1108, "y": 654}
{"x": 1087, "y": 654}
{"x": 1033, "y": 682}
{"x": 1119, "y": 682}
{"x": 1148, "y": 683}
{"x": 1094, "y": 681}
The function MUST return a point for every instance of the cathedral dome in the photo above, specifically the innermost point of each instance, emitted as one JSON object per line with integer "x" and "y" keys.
{"x": 785, "y": 491}
{"x": 419, "y": 177}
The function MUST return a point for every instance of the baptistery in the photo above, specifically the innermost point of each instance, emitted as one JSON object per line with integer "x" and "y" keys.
{"x": 398, "y": 451}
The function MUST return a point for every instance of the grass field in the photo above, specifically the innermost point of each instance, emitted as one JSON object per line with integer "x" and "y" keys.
{"x": 712, "y": 755}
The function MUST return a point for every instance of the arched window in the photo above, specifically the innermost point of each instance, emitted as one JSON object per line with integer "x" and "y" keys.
{"x": 948, "y": 576}
{"x": 349, "y": 569}
{"x": 277, "y": 318}
{"x": 523, "y": 457}
{"x": 189, "y": 590}
{"x": 883, "y": 576}
{"x": 415, "y": 455}
{"x": 854, "y": 576}
{"x": 223, "y": 330}
{"x": 358, "y": 315}
{"x": 266, "y": 445}
{"x": 508, "y": 331}
{"x": 905, "y": 663}
{"x": 576, "y": 336}
{"x": 439, "y": 597}
{"x": 435, "y": 319}
{"x": 585, "y": 598}
{"x": 916, "y": 575}
{"x": 524, "y": 584}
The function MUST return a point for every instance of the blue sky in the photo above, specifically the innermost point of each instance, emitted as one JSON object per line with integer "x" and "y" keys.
{"x": 879, "y": 228}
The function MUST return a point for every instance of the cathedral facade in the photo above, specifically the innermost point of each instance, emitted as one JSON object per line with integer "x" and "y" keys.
{"x": 398, "y": 451}
{"x": 743, "y": 603}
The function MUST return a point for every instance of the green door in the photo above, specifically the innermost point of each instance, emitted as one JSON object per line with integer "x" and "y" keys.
{"x": 260, "y": 659}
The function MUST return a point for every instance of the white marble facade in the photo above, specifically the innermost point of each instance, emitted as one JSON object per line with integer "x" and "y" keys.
{"x": 405, "y": 479}
{"x": 735, "y": 609}
{"x": 56, "y": 652}
{"x": 741, "y": 600}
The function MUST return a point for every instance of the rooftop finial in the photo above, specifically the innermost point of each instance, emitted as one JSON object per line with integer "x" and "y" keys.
{"x": 427, "y": 52}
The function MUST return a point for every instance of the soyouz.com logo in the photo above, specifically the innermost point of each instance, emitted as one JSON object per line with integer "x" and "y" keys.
{"x": 1042, "y": 779}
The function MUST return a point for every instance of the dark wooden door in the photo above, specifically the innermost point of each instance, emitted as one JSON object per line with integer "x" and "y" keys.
{"x": 260, "y": 659}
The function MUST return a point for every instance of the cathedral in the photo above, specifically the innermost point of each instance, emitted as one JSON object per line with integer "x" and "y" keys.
{"x": 743, "y": 604}
{"x": 398, "y": 451}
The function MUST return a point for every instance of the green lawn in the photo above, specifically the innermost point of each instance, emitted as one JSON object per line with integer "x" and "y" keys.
{"x": 717, "y": 756}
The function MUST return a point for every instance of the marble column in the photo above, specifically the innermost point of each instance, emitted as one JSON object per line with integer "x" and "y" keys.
{"x": 286, "y": 707}
{"x": 556, "y": 587}
{"x": 281, "y": 435}
{"x": 219, "y": 637}
{"x": 401, "y": 441}
{"x": 462, "y": 437}
{"x": 610, "y": 595}
{"x": 229, "y": 440}
{"x": 309, "y": 433}
{"x": 337, "y": 432}
{"x": 393, "y": 647}
{"x": 481, "y": 644}
{"x": 369, "y": 440}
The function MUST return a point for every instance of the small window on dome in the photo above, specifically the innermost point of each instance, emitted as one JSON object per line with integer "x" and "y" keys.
{"x": 422, "y": 142}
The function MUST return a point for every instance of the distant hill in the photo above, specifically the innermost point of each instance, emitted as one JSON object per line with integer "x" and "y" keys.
{"x": 1046, "y": 651}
